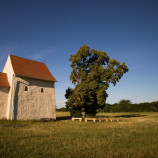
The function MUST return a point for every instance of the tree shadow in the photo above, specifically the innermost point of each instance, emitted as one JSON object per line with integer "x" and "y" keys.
{"x": 125, "y": 116}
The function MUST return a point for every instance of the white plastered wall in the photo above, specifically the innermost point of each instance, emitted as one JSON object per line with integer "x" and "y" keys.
{"x": 3, "y": 100}
{"x": 9, "y": 70}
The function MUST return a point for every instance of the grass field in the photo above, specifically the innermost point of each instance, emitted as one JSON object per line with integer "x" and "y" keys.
{"x": 135, "y": 136}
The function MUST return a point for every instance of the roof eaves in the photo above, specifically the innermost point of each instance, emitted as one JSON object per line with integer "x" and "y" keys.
{"x": 34, "y": 77}
{"x": 5, "y": 84}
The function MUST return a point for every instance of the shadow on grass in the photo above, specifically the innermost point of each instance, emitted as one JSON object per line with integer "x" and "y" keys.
{"x": 118, "y": 116}
{"x": 63, "y": 118}
{"x": 125, "y": 116}
{"x": 17, "y": 123}
{"x": 6, "y": 123}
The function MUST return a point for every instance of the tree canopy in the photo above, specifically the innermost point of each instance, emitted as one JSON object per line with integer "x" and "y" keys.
{"x": 123, "y": 101}
{"x": 92, "y": 72}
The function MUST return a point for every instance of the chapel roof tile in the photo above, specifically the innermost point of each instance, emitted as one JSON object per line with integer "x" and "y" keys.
{"x": 4, "y": 80}
{"x": 30, "y": 68}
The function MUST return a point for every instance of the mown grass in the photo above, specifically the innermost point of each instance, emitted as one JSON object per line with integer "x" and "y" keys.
{"x": 136, "y": 135}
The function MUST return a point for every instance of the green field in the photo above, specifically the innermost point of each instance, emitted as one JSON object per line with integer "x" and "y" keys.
{"x": 135, "y": 136}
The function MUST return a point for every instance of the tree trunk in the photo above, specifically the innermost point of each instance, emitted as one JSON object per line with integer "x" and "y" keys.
{"x": 83, "y": 113}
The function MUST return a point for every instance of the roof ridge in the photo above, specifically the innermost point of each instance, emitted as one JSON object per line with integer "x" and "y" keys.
{"x": 26, "y": 58}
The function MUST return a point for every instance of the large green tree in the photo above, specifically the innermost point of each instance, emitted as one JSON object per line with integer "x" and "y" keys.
{"x": 92, "y": 72}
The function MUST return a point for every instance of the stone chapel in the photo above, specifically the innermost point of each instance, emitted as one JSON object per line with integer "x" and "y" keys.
{"x": 27, "y": 90}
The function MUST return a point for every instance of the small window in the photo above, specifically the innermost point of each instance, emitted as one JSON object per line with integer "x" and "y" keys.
{"x": 26, "y": 88}
{"x": 42, "y": 90}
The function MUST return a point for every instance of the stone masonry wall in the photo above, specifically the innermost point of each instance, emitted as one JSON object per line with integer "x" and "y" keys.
{"x": 3, "y": 101}
{"x": 34, "y": 104}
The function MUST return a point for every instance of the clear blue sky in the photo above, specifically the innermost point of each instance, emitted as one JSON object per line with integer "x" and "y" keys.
{"x": 51, "y": 30}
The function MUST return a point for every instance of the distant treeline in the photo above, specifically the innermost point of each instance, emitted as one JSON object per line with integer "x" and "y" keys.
{"x": 141, "y": 107}
{"x": 63, "y": 109}
{"x": 125, "y": 106}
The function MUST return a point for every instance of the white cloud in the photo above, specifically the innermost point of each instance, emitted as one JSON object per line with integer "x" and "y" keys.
{"x": 40, "y": 55}
{"x": 37, "y": 56}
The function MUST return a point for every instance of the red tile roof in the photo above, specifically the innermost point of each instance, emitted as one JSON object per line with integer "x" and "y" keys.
{"x": 31, "y": 68}
{"x": 4, "y": 80}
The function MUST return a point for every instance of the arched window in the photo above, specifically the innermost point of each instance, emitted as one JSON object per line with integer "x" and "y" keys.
{"x": 26, "y": 88}
{"x": 42, "y": 90}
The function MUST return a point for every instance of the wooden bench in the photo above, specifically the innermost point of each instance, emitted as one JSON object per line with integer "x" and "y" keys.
{"x": 110, "y": 119}
{"x": 94, "y": 119}
{"x": 103, "y": 119}
{"x": 73, "y": 119}
{"x": 90, "y": 119}
{"x": 114, "y": 119}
